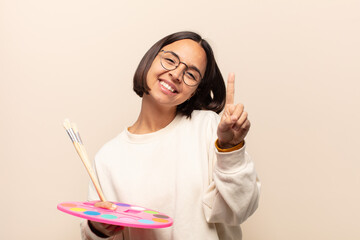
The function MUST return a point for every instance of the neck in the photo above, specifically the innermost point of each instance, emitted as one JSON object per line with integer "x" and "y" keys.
{"x": 152, "y": 118}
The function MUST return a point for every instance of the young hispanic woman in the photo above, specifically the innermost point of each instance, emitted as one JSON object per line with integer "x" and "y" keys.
{"x": 180, "y": 157}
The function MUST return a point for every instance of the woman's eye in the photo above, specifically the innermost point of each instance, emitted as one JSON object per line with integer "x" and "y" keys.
{"x": 190, "y": 75}
{"x": 170, "y": 60}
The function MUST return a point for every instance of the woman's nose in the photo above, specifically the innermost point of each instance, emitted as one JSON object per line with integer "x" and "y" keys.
{"x": 178, "y": 73}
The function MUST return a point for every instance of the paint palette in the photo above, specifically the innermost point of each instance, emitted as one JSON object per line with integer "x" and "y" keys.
{"x": 124, "y": 215}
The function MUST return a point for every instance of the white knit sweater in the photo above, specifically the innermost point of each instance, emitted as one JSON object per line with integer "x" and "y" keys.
{"x": 178, "y": 171}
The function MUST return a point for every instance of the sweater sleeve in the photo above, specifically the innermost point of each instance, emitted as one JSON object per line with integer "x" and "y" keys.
{"x": 233, "y": 192}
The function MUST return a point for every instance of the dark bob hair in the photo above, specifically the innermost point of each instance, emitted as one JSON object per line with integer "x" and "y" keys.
{"x": 211, "y": 92}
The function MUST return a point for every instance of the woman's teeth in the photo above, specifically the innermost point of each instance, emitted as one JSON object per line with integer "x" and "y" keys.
{"x": 167, "y": 86}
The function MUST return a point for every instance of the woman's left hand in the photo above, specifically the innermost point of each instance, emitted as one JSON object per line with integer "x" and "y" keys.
{"x": 234, "y": 123}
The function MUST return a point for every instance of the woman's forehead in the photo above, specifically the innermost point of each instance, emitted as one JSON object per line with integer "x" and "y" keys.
{"x": 189, "y": 52}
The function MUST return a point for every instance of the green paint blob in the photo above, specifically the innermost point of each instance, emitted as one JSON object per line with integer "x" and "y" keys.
{"x": 108, "y": 216}
{"x": 151, "y": 212}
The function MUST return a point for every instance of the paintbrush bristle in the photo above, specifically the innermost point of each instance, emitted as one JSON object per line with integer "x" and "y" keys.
{"x": 67, "y": 124}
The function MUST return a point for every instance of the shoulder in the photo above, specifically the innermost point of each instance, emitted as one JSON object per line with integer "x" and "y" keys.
{"x": 111, "y": 146}
{"x": 201, "y": 120}
{"x": 205, "y": 116}
{"x": 204, "y": 124}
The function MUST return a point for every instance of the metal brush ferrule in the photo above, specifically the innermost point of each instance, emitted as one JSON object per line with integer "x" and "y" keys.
{"x": 71, "y": 134}
{"x": 78, "y": 138}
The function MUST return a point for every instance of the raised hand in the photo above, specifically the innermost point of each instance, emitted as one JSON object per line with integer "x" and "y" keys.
{"x": 234, "y": 123}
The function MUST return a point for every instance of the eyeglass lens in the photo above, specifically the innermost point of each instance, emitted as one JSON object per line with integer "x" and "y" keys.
{"x": 170, "y": 61}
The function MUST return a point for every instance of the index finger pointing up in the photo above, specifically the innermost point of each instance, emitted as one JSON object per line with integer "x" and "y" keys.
{"x": 230, "y": 89}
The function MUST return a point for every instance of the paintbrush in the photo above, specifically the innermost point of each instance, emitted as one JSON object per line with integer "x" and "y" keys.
{"x": 74, "y": 135}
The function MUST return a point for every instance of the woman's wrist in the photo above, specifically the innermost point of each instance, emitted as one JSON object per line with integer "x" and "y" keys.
{"x": 221, "y": 147}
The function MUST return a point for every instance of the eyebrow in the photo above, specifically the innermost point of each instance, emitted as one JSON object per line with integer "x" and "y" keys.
{"x": 189, "y": 66}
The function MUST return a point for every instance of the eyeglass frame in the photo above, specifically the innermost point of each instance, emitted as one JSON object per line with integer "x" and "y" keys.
{"x": 187, "y": 67}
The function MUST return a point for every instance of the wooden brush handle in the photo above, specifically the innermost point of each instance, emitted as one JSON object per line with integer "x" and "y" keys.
{"x": 84, "y": 158}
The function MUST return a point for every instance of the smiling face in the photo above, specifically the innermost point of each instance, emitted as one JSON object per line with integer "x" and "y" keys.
{"x": 167, "y": 87}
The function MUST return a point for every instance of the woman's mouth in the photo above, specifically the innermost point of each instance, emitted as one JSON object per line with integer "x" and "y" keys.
{"x": 167, "y": 86}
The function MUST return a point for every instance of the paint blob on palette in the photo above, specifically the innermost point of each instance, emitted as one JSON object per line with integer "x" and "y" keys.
{"x": 125, "y": 214}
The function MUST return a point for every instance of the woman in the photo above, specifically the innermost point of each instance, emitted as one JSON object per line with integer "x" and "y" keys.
{"x": 180, "y": 157}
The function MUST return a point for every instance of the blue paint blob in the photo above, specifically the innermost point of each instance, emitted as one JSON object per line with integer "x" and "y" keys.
{"x": 92, "y": 213}
{"x": 146, "y": 221}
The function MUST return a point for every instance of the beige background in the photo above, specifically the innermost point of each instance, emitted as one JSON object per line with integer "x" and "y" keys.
{"x": 297, "y": 72}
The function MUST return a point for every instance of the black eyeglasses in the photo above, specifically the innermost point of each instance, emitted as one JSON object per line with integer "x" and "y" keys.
{"x": 170, "y": 61}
